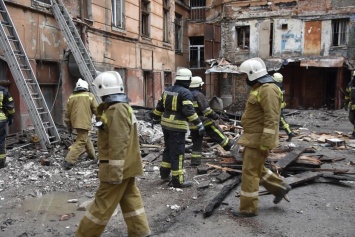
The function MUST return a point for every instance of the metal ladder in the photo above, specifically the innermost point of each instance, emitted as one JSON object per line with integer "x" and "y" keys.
{"x": 26, "y": 81}
{"x": 76, "y": 45}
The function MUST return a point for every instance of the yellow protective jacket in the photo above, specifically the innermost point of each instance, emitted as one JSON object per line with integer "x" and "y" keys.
{"x": 80, "y": 108}
{"x": 261, "y": 118}
{"x": 118, "y": 144}
{"x": 6, "y": 104}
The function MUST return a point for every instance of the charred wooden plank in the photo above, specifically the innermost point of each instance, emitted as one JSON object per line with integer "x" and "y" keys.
{"x": 222, "y": 177}
{"x": 302, "y": 178}
{"x": 216, "y": 201}
{"x": 295, "y": 168}
{"x": 289, "y": 158}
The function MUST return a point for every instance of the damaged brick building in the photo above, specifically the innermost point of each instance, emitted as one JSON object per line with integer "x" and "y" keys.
{"x": 310, "y": 42}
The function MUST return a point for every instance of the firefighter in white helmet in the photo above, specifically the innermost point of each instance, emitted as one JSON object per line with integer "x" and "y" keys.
{"x": 278, "y": 78}
{"x": 119, "y": 162}
{"x": 174, "y": 109}
{"x": 349, "y": 103}
{"x": 81, "y": 106}
{"x": 260, "y": 122}
{"x": 207, "y": 116}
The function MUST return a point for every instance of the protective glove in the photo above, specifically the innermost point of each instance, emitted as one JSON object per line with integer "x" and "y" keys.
{"x": 10, "y": 119}
{"x": 154, "y": 121}
{"x": 215, "y": 116}
{"x": 264, "y": 151}
{"x": 201, "y": 129}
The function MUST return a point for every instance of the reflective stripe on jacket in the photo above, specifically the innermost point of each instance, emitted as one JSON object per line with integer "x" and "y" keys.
{"x": 175, "y": 108}
{"x": 118, "y": 144}
{"x": 7, "y": 105}
{"x": 350, "y": 95}
{"x": 261, "y": 118}
{"x": 80, "y": 108}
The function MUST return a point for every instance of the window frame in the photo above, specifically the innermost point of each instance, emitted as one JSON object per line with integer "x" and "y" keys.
{"x": 118, "y": 14}
{"x": 145, "y": 15}
{"x": 166, "y": 20}
{"x": 178, "y": 33}
{"x": 200, "y": 49}
{"x": 244, "y": 33}
{"x": 341, "y": 35}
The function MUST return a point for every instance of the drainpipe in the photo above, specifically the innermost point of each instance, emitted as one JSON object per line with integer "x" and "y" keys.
{"x": 83, "y": 27}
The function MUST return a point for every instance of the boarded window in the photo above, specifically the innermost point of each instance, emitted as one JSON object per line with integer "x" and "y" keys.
{"x": 118, "y": 15}
{"x": 198, "y": 9}
{"x": 145, "y": 18}
{"x": 167, "y": 79}
{"x": 178, "y": 33}
{"x": 243, "y": 37}
{"x": 339, "y": 32}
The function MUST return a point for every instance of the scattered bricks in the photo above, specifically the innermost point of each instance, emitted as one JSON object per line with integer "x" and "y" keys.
{"x": 202, "y": 169}
{"x": 223, "y": 177}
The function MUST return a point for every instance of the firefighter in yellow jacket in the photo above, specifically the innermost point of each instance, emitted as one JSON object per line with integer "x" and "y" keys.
{"x": 78, "y": 115}
{"x": 260, "y": 122}
{"x": 7, "y": 111}
{"x": 120, "y": 162}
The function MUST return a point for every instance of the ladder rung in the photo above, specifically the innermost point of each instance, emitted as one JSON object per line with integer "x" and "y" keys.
{"x": 42, "y": 113}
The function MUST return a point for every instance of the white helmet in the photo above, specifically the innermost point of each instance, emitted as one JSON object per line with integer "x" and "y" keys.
{"x": 108, "y": 83}
{"x": 277, "y": 77}
{"x": 81, "y": 85}
{"x": 254, "y": 68}
{"x": 196, "y": 82}
{"x": 183, "y": 74}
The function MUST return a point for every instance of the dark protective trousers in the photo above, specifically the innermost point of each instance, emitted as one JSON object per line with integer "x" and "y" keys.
{"x": 215, "y": 133}
{"x": 255, "y": 173}
{"x": 173, "y": 154}
{"x": 283, "y": 124}
{"x": 3, "y": 131}
{"x": 107, "y": 197}
{"x": 352, "y": 118}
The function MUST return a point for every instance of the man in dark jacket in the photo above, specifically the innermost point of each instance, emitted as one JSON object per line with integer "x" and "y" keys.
{"x": 207, "y": 116}
{"x": 173, "y": 110}
{"x": 7, "y": 110}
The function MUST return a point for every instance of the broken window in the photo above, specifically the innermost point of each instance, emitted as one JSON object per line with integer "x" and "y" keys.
{"x": 145, "y": 17}
{"x": 166, "y": 17}
{"x": 197, "y": 52}
{"x": 118, "y": 13}
{"x": 243, "y": 37}
{"x": 339, "y": 32}
{"x": 178, "y": 33}
{"x": 198, "y": 10}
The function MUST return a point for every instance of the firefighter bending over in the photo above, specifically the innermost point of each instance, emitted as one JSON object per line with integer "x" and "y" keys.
{"x": 173, "y": 110}
{"x": 207, "y": 115}
{"x": 120, "y": 162}
{"x": 260, "y": 122}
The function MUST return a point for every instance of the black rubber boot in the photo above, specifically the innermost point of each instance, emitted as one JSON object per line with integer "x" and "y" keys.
{"x": 2, "y": 163}
{"x": 67, "y": 165}
{"x": 175, "y": 183}
{"x": 282, "y": 194}
{"x": 353, "y": 135}
{"x": 290, "y": 136}
{"x": 165, "y": 173}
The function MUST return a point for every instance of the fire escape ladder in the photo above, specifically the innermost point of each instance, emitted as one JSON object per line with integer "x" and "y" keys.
{"x": 76, "y": 45}
{"x": 26, "y": 81}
